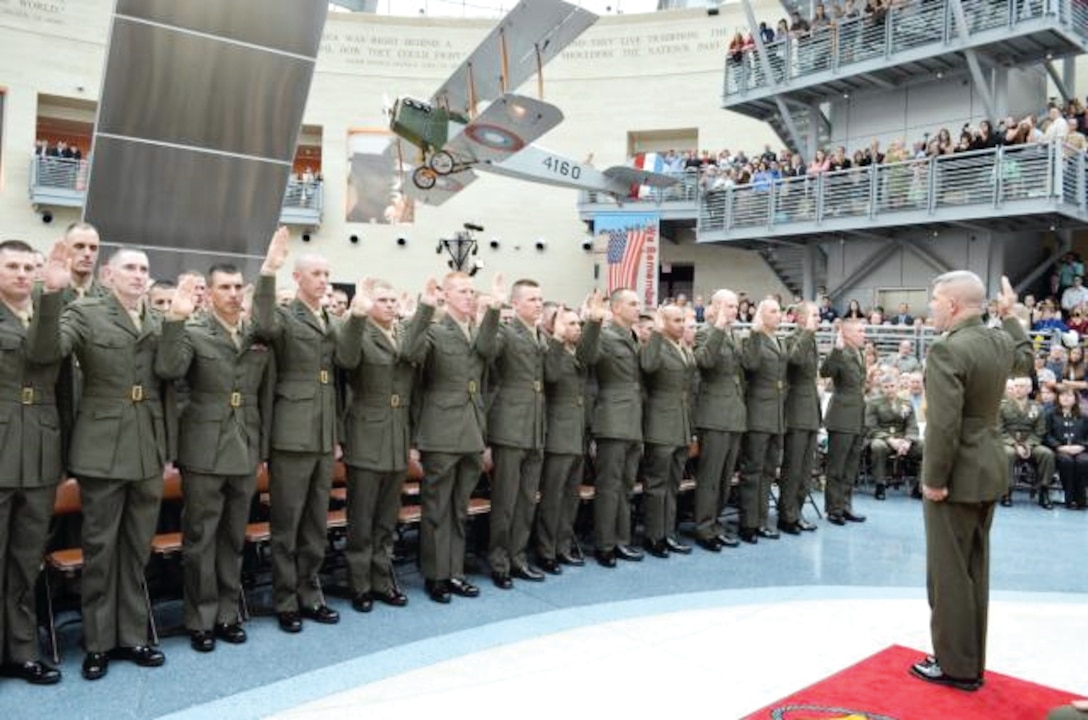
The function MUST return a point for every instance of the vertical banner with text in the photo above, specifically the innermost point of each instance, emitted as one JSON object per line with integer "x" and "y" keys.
{"x": 631, "y": 242}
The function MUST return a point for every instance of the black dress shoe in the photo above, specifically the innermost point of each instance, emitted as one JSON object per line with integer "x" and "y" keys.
{"x": 321, "y": 614}
{"x": 790, "y": 528}
{"x": 290, "y": 621}
{"x": 930, "y": 671}
{"x": 1044, "y": 501}
{"x": 551, "y": 566}
{"x": 362, "y": 602}
{"x": 606, "y": 558}
{"x": 34, "y": 672}
{"x": 201, "y": 641}
{"x": 142, "y": 655}
{"x": 768, "y": 533}
{"x": 569, "y": 559}
{"x": 713, "y": 544}
{"x": 749, "y": 535}
{"x": 463, "y": 588}
{"x": 852, "y": 517}
{"x": 528, "y": 572}
{"x": 232, "y": 633}
{"x": 502, "y": 581}
{"x": 836, "y": 519}
{"x": 676, "y": 546}
{"x": 806, "y": 526}
{"x": 438, "y": 590}
{"x": 879, "y": 494}
{"x": 394, "y": 597}
{"x": 1006, "y": 501}
{"x": 657, "y": 548}
{"x": 727, "y": 541}
{"x": 95, "y": 665}
{"x": 626, "y": 552}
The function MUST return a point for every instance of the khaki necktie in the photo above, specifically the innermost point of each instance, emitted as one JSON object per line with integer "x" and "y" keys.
{"x": 24, "y": 318}
{"x": 136, "y": 320}
{"x": 236, "y": 337}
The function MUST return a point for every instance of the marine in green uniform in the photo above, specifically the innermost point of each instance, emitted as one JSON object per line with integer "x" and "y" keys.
{"x": 845, "y": 420}
{"x": 765, "y": 363}
{"x": 802, "y": 421}
{"x": 1023, "y": 428}
{"x": 893, "y": 431}
{"x": 515, "y": 430}
{"x": 118, "y": 452}
{"x": 566, "y": 368}
{"x": 304, "y": 430}
{"x": 377, "y": 435}
{"x": 965, "y": 468}
{"x": 617, "y": 430}
{"x": 223, "y": 438}
{"x": 450, "y": 433}
{"x": 668, "y": 367}
{"x": 31, "y": 462}
{"x": 720, "y": 418}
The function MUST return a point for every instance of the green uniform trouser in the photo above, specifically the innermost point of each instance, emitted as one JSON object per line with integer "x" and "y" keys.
{"x": 448, "y": 482}
{"x": 299, "y": 485}
{"x": 798, "y": 460}
{"x": 843, "y": 459}
{"x": 958, "y": 583}
{"x": 718, "y": 452}
{"x": 559, "y": 500}
{"x": 881, "y": 451}
{"x": 213, "y": 535}
{"x": 759, "y": 462}
{"x": 514, "y": 484}
{"x": 617, "y": 470}
{"x": 661, "y": 486}
{"x": 119, "y": 519}
{"x": 24, "y": 528}
{"x": 373, "y": 508}
{"x": 1041, "y": 457}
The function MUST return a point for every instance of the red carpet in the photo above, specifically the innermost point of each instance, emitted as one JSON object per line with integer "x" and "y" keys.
{"x": 881, "y": 688}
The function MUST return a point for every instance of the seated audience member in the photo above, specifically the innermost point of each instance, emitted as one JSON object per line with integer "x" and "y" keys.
{"x": 1042, "y": 376}
{"x": 828, "y": 313}
{"x": 893, "y": 432}
{"x": 1050, "y": 319}
{"x": 1067, "y": 436}
{"x": 904, "y": 361}
{"x": 917, "y": 395}
{"x": 902, "y": 316}
{"x": 1047, "y": 398}
{"x": 1076, "y": 295}
{"x": 853, "y": 310}
{"x": 1023, "y": 425}
{"x": 1056, "y": 359}
{"x": 1078, "y": 320}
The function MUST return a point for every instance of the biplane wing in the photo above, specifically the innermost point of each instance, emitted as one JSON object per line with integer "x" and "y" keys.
{"x": 507, "y": 126}
{"x": 445, "y": 187}
{"x": 635, "y": 176}
{"x": 530, "y": 35}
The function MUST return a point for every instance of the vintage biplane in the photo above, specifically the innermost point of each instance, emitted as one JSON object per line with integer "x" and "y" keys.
{"x": 476, "y": 122}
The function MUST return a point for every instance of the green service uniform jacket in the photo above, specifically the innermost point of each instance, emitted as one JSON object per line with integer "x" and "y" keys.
{"x": 802, "y": 398}
{"x": 516, "y": 417}
{"x": 1022, "y": 425}
{"x": 565, "y": 376}
{"x": 617, "y": 412}
{"x": 452, "y": 417}
{"x": 377, "y": 428}
{"x": 895, "y": 419}
{"x": 719, "y": 404}
{"x": 766, "y": 364}
{"x": 667, "y": 372}
{"x": 846, "y": 411}
{"x": 966, "y": 372}
{"x": 226, "y": 426}
{"x": 304, "y": 417}
{"x": 119, "y": 432}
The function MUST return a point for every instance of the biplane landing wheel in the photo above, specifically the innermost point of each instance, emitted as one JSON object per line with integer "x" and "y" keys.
{"x": 424, "y": 178}
{"x": 442, "y": 162}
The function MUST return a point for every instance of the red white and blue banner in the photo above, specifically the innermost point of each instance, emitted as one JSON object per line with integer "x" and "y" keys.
{"x": 632, "y": 249}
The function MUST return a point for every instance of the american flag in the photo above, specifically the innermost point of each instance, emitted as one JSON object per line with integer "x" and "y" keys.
{"x": 624, "y": 252}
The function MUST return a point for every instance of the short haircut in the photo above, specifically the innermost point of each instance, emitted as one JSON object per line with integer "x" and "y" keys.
{"x": 225, "y": 268}
{"x": 965, "y": 286}
{"x": 16, "y": 246}
{"x": 523, "y": 283}
{"x": 163, "y": 285}
{"x": 115, "y": 258}
{"x": 79, "y": 225}
{"x": 454, "y": 275}
{"x": 195, "y": 273}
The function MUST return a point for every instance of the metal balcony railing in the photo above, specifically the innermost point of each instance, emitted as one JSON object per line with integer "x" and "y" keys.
{"x": 907, "y": 25}
{"x": 63, "y": 182}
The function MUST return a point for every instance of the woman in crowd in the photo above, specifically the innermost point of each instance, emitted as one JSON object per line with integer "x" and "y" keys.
{"x": 820, "y": 164}
{"x": 853, "y": 310}
{"x": 1067, "y": 436}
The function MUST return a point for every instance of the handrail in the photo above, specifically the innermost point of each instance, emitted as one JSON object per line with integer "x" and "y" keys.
{"x": 914, "y": 24}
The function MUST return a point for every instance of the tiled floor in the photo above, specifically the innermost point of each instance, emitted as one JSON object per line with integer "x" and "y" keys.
{"x": 725, "y": 633}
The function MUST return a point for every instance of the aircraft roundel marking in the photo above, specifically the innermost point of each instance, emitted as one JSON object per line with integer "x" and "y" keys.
{"x": 494, "y": 137}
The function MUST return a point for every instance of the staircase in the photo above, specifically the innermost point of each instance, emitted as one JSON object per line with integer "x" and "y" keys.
{"x": 804, "y": 127}
{"x": 787, "y": 262}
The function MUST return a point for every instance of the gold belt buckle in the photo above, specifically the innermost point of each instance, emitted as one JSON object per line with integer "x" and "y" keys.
{"x": 137, "y": 393}
{"x": 394, "y": 400}
{"x": 323, "y": 376}
{"x": 471, "y": 387}
{"x": 28, "y": 396}
{"x": 236, "y": 399}
{"x": 537, "y": 386}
